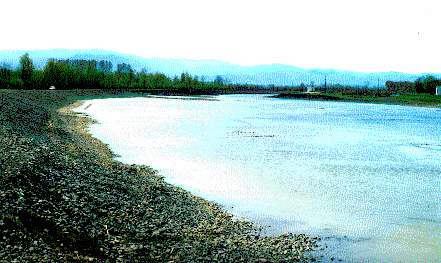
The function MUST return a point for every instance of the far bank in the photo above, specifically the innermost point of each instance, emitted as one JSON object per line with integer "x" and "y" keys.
{"x": 419, "y": 100}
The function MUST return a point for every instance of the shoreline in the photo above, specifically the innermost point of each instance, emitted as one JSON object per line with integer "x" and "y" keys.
{"x": 420, "y": 100}
{"x": 92, "y": 207}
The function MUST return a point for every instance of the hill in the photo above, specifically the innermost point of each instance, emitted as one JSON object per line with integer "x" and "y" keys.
{"x": 272, "y": 74}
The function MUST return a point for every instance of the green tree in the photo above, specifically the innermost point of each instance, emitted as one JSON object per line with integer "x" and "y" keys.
{"x": 37, "y": 79}
{"x": 5, "y": 78}
{"x": 427, "y": 84}
{"x": 219, "y": 80}
{"x": 26, "y": 70}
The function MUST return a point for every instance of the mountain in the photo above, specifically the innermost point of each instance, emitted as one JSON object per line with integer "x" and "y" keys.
{"x": 273, "y": 74}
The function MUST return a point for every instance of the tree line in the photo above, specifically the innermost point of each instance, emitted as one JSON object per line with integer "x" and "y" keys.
{"x": 92, "y": 74}
{"x": 425, "y": 84}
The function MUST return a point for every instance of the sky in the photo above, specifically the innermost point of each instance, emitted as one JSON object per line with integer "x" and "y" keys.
{"x": 371, "y": 35}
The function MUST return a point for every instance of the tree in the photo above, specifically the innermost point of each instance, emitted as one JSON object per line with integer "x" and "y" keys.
{"x": 124, "y": 68}
{"x": 26, "y": 70}
{"x": 426, "y": 84}
{"x": 105, "y": 66}
{"x": 5, "y": 78}
{"x": 219, "y": 80}
{"x": 37, "y": 79}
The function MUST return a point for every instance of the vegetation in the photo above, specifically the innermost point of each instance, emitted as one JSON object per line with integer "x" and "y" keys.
{"x": 421, "y": 85}
{"x": 26, "y": 70}
{"x": 92, "y": 74}
{"x": 426, "y": 100}
{"x": 427, "y": 84}
{"x": 418, "y": 93}
{"x": 64, "y": 198}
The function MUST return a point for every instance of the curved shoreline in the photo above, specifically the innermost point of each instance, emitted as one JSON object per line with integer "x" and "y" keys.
{"x": 92, "y": 207}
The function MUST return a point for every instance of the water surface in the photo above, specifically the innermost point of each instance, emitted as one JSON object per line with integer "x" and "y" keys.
{"x": 366, "y": 177}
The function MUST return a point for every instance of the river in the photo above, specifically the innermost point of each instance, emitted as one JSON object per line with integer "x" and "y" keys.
{"x": 365, "y": 177}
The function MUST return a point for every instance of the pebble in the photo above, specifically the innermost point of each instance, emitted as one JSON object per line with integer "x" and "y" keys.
{"x": 67, "y": 186}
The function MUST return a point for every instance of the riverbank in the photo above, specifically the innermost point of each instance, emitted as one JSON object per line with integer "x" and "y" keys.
{"x": 64, "y": 198}
{"x": 420, "y": 100}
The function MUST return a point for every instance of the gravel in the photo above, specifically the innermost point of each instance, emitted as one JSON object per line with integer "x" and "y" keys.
{"x": 64, "y": 198}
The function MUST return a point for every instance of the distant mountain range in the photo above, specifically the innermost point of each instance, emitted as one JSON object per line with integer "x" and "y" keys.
{"x": 273, "y": 74}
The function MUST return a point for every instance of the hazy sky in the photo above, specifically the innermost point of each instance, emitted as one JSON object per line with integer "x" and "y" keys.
{"x": 371, "y": 35}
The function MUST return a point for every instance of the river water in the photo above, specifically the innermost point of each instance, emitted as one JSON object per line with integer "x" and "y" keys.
{"x": 365, "y": 177}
